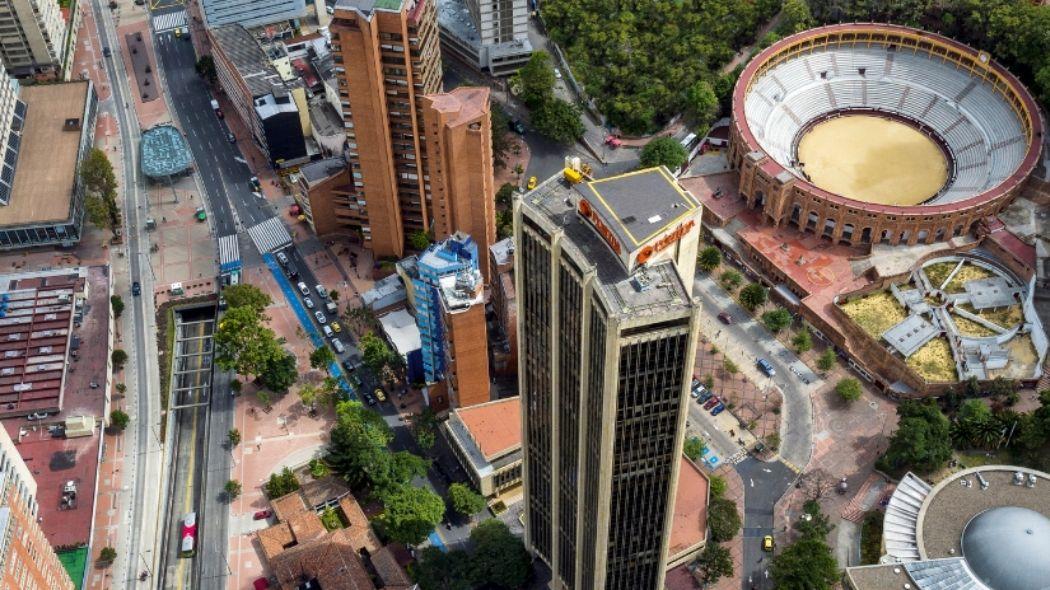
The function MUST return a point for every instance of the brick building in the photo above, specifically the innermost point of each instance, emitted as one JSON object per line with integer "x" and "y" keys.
{"x": 466, "y": 342}
{"x": 503, "y": 300}
{"x": 386, "y": 55}
{"x": 459, "y": 143}
{"x": 27, "y": 560}
{"x": 325, "y": 195}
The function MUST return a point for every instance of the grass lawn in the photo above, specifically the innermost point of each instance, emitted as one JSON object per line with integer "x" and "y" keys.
{"x": 938, "y": 272}
{"x": 971, "y": 328}
{"x": 967, "y": 273}
{"x": 875, "y": 313}
{"x": 934, "y": 361}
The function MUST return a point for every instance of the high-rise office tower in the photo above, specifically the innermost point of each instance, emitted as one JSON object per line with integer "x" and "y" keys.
{"x": 27, "y": 560}
{"x": 459, "y": 143}
{"x": 34, "y": 37}
{"x": 607, "y": 331}
{"x": 491, "y": 36}
{"x": 386, "y": 56}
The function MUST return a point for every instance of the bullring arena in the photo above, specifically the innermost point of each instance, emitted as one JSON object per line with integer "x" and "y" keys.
{"x": 874, "y": 133}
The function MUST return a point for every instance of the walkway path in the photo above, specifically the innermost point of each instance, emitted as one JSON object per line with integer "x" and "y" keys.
{"x": 744, "y": 54}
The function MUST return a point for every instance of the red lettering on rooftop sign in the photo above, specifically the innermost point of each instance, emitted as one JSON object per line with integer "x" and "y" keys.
{"x": 664, "y": 241}
{"x": 588, "y": 213}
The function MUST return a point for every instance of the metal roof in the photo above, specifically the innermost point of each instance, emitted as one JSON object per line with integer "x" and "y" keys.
{"x": 1008, "y": 548}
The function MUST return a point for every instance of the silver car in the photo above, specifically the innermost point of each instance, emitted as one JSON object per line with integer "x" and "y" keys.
{"x": 320, "y": 317}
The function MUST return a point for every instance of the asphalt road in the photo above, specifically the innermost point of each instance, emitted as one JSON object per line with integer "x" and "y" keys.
{"x": 764, "y": 484}
{"x": 142, "y": 524}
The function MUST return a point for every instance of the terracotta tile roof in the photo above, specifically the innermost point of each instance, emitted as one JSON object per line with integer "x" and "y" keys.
{"x": 389, "y": 570}
{"x": 274, "y": 539}
{"x": 1008, "y": 241}
{"x": 287, "y": 506}
{"x": 331, "y": 561}
{"x": 359, "y": 531}
{"x": 306, "y": 527}
{"x": 495, "y": 426}
{"x": 689, "y": 527}
{"x": 319, "y": 491}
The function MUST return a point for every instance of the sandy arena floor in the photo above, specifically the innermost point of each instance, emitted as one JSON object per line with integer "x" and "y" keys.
{"x": 873, "y": 159}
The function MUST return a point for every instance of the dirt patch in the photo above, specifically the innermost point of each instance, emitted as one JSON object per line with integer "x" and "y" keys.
{"x": 934, "y": 361}
{"x": 971, "y": 328}
{"x": 875, "y": 313}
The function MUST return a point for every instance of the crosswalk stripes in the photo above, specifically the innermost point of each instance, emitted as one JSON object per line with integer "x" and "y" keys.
{"x": 169, "y": 21}
{"x": 270, "y": 235}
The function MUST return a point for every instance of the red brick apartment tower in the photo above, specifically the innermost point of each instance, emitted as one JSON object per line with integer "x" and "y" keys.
{"x": 386, "y": 55}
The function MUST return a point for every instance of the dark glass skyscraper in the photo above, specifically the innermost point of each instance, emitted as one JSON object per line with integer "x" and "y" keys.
{"x": 606, "y": 335}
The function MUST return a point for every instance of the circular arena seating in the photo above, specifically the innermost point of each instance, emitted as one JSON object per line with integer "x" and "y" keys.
{"x": 984, "y": 138}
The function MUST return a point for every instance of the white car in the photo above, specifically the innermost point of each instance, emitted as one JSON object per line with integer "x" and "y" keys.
{"x": 303, "y": 288}
{"x": 282, "y": 258}
{"x": 321, "y": 292}
{"x": 557, "y": 73}
{"x": 327, "y": 331}
{"x": 309, "y": 303}
{"x": 320, "y": 318}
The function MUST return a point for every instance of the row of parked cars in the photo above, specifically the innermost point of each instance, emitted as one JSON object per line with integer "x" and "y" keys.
{"x": 703, "y": 395}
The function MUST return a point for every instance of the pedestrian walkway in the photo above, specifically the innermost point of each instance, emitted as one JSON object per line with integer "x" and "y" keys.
{"x": 270, "y": 235}
{"x": 163, "y": 23}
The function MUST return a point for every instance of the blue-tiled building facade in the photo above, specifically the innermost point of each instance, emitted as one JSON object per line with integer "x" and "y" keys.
{"x": 454, "y": 254}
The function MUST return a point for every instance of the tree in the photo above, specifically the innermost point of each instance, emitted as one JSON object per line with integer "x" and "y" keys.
{"x": 731, "y": 279}
{"x": 232, "y": 489}
{"x": 535, "y": 80}
{"x": 709, "y": 259}
{"x": 119, "y": 357}
{"x": 375, "y": 352}
{"x": 118, "y": 305}
{"x": 499, "y": 123}
{"x": 807, "y": 564}
{"x": 1001, "y": 386}
{"x": 848, "y": 389}
{"x": 753, "y": 296}
{"x": 777, "y": 319}
{"x": 803, "y": 340}
{"x": 504, "y": 224}
{"x": 205, "y": 67}
{"x": 714, "y": 563}
{"x": 723, "y": 518}
{"x": 280, "y": 373}
{"x": 119, "y": 420}
{"x": 558, "y": 121}
{"x": 975, "y": 425}
{"x": 505, "y": 194}
{"x": 424, "y": 428}
{"x": 357, "y": 442}
{"x": 729, "y": 366}
{"x": 243, "y": 344}
{"x": 693, "y": 448}
{"x": 702, "y": 101}
{"x": 233, "y": 437}
{"x": 826, "y": 360}
{"x": 410, "y": 513}
{"x": 464, "y": 500}
{"x": 245, "y": 295}
{"x": 418, "y": 240}
{"x": 107, "y": 555}
{"x": 333, "y": 294}
{"x": 322, "y": 357}
{"x": 499, "y": 558}
{"x": 663, "y": 151}
{"x": 922, "y": 441}
{"x": 96, "y": 174}
{"x": 795, "y": 17}
{"x": 236, "y": 385}
{"x": 318, "y": 468}
{"x": 281, "y": 484}
{"x": 718, "y": 486}
{"x": 438, "y": 570}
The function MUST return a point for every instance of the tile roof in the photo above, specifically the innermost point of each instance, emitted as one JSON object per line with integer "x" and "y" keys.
{"x": 495, "y": 426}
{"x": 288, "y": 505}
{"x": 689, "y": 527}
{"x": 390, "y": 571}
{"x": 306, "y": 527}
{"x": 274, "y": 539}
{"x": 357, "y": 527}
{"x": 332, "y": 562}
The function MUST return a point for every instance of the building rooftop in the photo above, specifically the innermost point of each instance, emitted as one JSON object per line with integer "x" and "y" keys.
{"x": 401, "y": 329}
{"x": 494, "y": 427}
{"x": 249, "y": 58}
{"x": 164, "y": 152}
{"x": 331, "y": 563}
{"x": 910, "y": 334}
{"x": 326, "y": 120}
{"x": 461, "y": 291}
{"x": 321, "y": 170}
{"x": 448, "y": 255}
{"x": 992, "y": 292}
{"x": 386, "y": 292}
{"x": 689, "y": 527}
{"x": 655, "y": 290}
{"x": 502, "y": 251}
{"x": 367, "y": 7}
{"x": 640, "y": 204}
{"x": 45, "y": 174}
{"x": 463, "y": 104}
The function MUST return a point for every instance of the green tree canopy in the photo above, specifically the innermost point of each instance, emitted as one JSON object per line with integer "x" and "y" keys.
{"x": 803, "y": 340}
{"x": 437, "y": 570}
{"x": 280, "y": 373}
{"x": 723, "y": 518}
{"x": 245, "y": 295}
{"x": 464, "y": 500}
{"x": 119, "y": 420}
{"x": 499, "y": 557}
{"x": 322, "y": 357}
{"x": 921, "y": 442}
{"x": 118, "y": 305}
{"x": 535, "y": 80}
{"x": 848, "y": 389}
{"x": 795, "y": 17}
{"x": 709, "y": 258}
{"x": 731, "y": 279}
{"x": 280, "y": 484}
{"x": 410, "y": 513}
{"x": 96, "y": 173}
{"x": 693, "y": 447}
{"x": 505, "y": 194}
{"x": 777, "y": 319}
{"x": 663, "y": 151}
{"x": 753, "y": 296}
{"x": 826, "y": 360}
{"x": 714, "y": 563}
{"x": 119, "y": 357}
{"x": 243, "y": 344}
{"x": 418, "y": 240}
{"x": 375, "y": 352}
{"x": 807, "y": 564}
{"x": 232, "y": 489}
{"x": 558, "y": 121}
{"x": 702, "y": 101}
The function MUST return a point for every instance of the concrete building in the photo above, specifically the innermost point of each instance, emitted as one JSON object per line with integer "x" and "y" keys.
{"x": 12, "y": 122}
{"x": 386, "y": 55}
{"x": 43, "y": 199}
{"x": 459, "y": 142}
{"x": 465, "y": 340}
{"x": 486, "y": 440}
{"x": 35, "y": 38}
{"x": 487, "y": 36}
{"x": 450, "y": 257}
{"x": 503, "y": 299}
{"x": 273, "y": 109}
{"x": 985, "y": 527}
{"x": 218, "y": 13}
{"x": 324, "y": 194}
{"x": 27, "y": 560}
{"x": 607, "y": 330}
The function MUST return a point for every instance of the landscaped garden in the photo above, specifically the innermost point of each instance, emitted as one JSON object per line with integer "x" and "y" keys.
{"x": 938, "y": 272}
{"x": 934, "y": 361}
{"x": 876, "y": 312}
{"x": 971, "y": 328}
{"x": 967, "y": 273}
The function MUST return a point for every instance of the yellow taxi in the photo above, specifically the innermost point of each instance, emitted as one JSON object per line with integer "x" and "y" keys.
{"x": 335, "y": 327}
{"x": 767, "y": 543}
{"x": 380, "y": 394}
{"x": 532, "y": 183}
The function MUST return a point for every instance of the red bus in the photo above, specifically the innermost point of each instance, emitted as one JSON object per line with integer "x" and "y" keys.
{"x": 188, "y": 545}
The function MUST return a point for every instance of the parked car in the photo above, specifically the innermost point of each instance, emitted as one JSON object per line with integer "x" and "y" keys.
{"x": 136, "y": 289}
{"x": 320, "y": 317}
{"x": 613, "y": 141}
{"x": 714, "y": 401}
{"x": 368, "y": 398}
{"x": 380, "y": 394}
{"x": 694, "y": 393}
{"x": 718, "y": 409}
{"x": 321, "y": 292}
{"x": 698, "y": 391}
{"x": 309, "y": 303}
{"x": 336, "y": 327}
{"x": 532, "y": 183}
{"x": 725, "y": 318}
{"x": 767, "y": 543}
{"x": 282, "y": 258}
{"x": 303, "y": 288}
{"x": 704, "y": 397}
{"x": 261, "y": 514}
{"x": 292, "y": 271}
{"x": 327, "y": 331}
{"x": 766, "y": 367}
{"x": 106, "y": 52}
{"x": 337, "y": 344}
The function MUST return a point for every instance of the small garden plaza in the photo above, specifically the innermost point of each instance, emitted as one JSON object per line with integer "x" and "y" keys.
{"x": 955, "y": 317}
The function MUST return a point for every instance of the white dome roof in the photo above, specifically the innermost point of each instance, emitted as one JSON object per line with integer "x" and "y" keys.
{"x": 1008, "y": 548}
